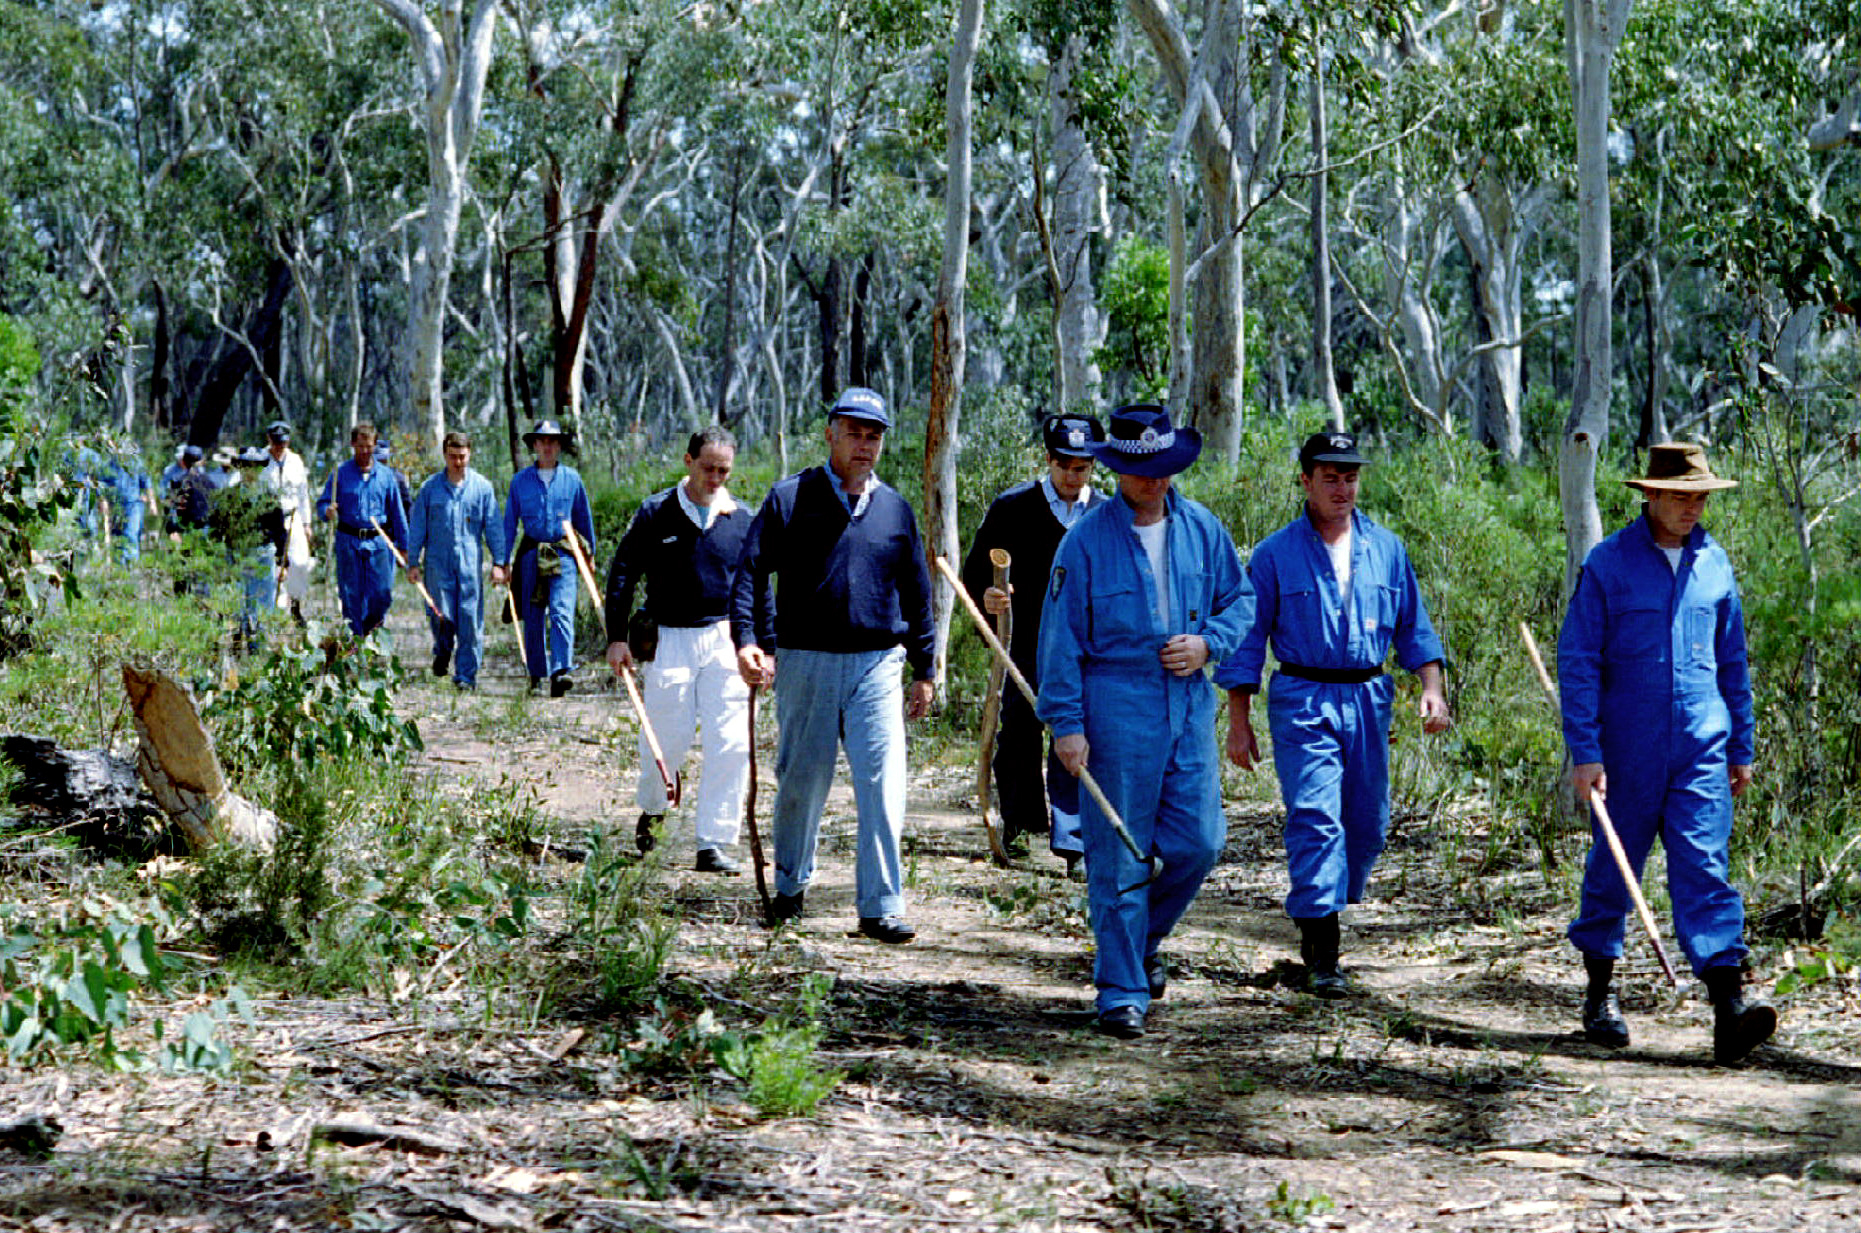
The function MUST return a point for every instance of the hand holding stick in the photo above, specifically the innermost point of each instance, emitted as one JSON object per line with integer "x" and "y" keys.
{"x": 992, "y": 711}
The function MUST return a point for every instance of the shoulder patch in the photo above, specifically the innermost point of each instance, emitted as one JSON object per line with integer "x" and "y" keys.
{"x": 1058, "y": 580}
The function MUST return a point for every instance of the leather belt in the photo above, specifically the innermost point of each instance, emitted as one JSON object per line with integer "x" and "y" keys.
{"x": 1331, "y": 676}
{"x": 358, "y": 532}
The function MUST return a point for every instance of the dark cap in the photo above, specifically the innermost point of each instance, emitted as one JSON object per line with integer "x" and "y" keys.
{"x": 278, "y": 430}
{"x": 192, "y": 453}
{"x": 1337, "y": 448}
{"x": 1071, "y": 436}
{"x": 856, "y": 402}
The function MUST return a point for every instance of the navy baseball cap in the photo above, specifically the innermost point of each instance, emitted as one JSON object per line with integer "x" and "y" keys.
{"x": 278, "y": 430}
{"x": 192, "y": 453}
{"x": 1071, "y": 436}
{"x": 1337, "y": 448}
{"x": 856, "y": 402}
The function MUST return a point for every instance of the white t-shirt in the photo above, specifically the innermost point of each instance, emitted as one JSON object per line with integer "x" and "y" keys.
{"x": 1156, "y": 541}
{"x": 1341, "y": 560}
{"x": 1673, "y": 557}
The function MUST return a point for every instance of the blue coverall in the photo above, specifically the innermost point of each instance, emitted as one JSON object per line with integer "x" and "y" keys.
{"x": 1331, "y": 740}
{"x": 540, "y": 510}
{"x": 364, "y": 564}
{"x": 446, "y": 527}
{"x": 1651, "y": 670}
{"x": 1150, "y": 734}
{"x": 126, "y": 485}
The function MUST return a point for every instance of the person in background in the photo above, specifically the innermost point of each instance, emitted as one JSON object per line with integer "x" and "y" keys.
{"x": 455, "y": 511}
{"x": 543, "y": 496}
{"x": 357, "y": 495}
{"x": 286, "y": 477}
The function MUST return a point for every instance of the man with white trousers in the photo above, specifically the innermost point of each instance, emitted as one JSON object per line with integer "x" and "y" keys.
{"x": 286, "y": 476}
{"x": 684, "y": 543}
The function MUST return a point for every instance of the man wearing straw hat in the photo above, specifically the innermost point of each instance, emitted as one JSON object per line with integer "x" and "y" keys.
{"x": 1657, "y": 717}
{"x": 1146, "y": 591}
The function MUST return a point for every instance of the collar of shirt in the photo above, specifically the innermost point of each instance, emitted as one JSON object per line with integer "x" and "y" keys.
{"x": 855, "y": 506}
{"x": 1066, "y": 515}
{"x": 722, "y": 505}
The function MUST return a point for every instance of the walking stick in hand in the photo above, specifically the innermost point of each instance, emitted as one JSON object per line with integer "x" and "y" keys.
{"x": 675, "y": 784}
{"x": 992, "y": 712}
{"x": 516, "y": 618}
{"x": 1605, "y": 824}
{"x": 445, "y": 622}
{"x": 1151, "y": 861}
{"x": 749, "y": 814}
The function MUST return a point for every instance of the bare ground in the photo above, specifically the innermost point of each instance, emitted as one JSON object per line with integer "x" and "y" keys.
{"x": 1451, "y": 1095}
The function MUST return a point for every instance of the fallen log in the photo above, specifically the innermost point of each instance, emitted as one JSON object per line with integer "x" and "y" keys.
{"x": 175, "y": 756}
{"x": 90, "y": 793}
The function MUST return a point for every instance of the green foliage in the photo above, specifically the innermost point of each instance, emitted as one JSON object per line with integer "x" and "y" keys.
{"x": 32, "y": 492}
{"x": 777, "y": 1063}
{"x": 1296, "y": 1206}
{"x": 1136, "y": 300}
{"x": 615, "y": 916}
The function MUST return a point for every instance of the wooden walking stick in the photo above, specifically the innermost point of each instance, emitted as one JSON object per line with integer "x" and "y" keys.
{"x": 749, "y": 814}
{"x": 516, "y": 619}
{"x": 992, "y": 712}
{"x": 445, "y": 622}
{"x": 1603, "y": 823}
{"x": 675, "y": 784}
{"x": 1151, "y": 861}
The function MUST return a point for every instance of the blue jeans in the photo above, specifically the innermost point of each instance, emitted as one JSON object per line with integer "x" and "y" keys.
{"x": 826, "y": 700}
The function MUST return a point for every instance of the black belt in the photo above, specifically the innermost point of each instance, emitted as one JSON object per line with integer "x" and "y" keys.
{"x": 1331, "y": 676}
{"x": 526, "y": 544}
{"x": 358, "y": 532}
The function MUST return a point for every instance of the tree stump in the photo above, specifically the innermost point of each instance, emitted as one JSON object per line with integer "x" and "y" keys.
{"x": 176, "y": 759}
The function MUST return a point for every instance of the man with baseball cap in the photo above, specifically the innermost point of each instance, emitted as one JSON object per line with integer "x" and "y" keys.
{"x": 1334, "y": 591}
{"x": 850, "y": 608}
{"x": 1657, "y": 717}
{"x": 286, "y": 478}
{"x": 1027, "y": 522}
{"x": 1146, "y": 591}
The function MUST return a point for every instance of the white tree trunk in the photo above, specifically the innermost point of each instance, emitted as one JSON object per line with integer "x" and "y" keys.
{"x": 1077, "y": 182}
{"x": 1494, "y": 228}
{"x": 1324, "y": 372}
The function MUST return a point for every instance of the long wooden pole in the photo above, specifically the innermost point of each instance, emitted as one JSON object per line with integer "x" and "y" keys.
{"x": 445, "y": 622}
{"x": 749, "y": 815}
{"x": 992, "y": 712}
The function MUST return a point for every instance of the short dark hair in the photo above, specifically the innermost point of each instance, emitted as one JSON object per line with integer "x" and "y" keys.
{"x": 459, "y": 440}
{"x": 716, "y": 434}
{"x": 362, "y": 429}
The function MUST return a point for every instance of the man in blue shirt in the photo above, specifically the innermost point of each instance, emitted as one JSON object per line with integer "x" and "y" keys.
{"x": 683, "y": 544}
{"x": 1027, "y": 522}
{"x": 358, "y": 494}
{"x": 1146, "y": 591}
{"x": 1334, "y": 590}
{"x": 542, "y": 497}
{"x": 456, "y": 510}
{"x": 1656, "y": 699}
{"x": 850, "y": 607}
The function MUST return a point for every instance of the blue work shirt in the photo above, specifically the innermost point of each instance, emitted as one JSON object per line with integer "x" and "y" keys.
{"x": 1300, "y": 610}
{"x": 449, "y": 521}
{"x": 1646, "y": 654}
{"x": 1100, "y": 618}
{"x": 361, "y": 496}
{"x": 542, "y": 508}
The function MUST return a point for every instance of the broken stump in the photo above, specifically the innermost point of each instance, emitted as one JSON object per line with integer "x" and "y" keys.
{"x": 178, "y": 764}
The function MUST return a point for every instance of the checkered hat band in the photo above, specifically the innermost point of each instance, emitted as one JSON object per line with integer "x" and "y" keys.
{"x": 1150, "y": 441}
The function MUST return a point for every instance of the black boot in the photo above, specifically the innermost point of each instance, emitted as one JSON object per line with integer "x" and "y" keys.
{"x": 1738, "y": 1025}
{"x": 1318, "y": 947}
{"x": 1603, "y": 1023}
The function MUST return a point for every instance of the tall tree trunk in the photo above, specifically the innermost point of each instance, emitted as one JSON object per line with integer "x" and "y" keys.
{"x": 1494, "y": 224}
{"x": 859, "y": 362}
{"x": 235, "y": 364}
{"x": 1324, "y": 375}
{"x": 1078, "y": 327}
{"x": 727, "y": 357}
{"x": 161, "y": 413}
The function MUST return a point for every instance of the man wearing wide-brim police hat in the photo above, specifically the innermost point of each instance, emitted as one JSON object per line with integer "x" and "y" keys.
{"x": 1334, "y": 593}
{"x": 1027, "y": 521}
{"x": 1146, "y": 591}
{"x": 1657, "y": 712}
{"x": 542, "y": 497}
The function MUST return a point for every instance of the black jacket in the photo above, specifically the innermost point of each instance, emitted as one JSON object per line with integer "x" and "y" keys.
{"x": 688, "y": 572}
{"x": 1021, "y": 522}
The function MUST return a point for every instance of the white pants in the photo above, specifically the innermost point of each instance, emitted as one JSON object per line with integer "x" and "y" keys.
{"x": 691, "y": 685}
{"x": 297, "y": 563}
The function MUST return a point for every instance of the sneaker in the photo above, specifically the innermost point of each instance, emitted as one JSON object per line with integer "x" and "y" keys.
{"x": 646, "y": 832}
{"x": 785, "y": 907}
{"x": 889, "y": 929}
{"x": 713, "y": 860}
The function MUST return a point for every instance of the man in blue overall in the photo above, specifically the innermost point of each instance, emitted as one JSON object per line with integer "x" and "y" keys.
{"x": 357, "y": 495}
{"x": 1027, "y": 522}
{"x": 1657, "y": 717}
{"x": 1146, "y": 591}
{"x": 455, "y": 511}
{"x": 130, "y": 493}
{"x": 542, "y": 497}
{"x": 1333, "y": 592}
{"x": 851, "y": 606}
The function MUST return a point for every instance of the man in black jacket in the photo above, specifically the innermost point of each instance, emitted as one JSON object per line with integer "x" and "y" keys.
{"x": 684, "y": 543}
{"x": 1028, "y": 521}
{"x": 850, "y": 608}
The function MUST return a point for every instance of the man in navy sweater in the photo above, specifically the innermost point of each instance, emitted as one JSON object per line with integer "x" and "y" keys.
{"x": 684, "y": 542}
{"x": 850, "y": 607}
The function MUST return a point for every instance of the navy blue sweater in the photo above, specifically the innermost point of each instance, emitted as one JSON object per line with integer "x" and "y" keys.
{"x": 688, "y": 572}
{"x": 842, "y": 584}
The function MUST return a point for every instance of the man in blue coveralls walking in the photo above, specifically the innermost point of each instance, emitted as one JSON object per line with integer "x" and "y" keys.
{"x": 1657, "y": 717}
{"x": 1333, "y": 591}
{"x": 357, "y": 495}
{"x": 1146, "y": 590}
{"x": 455, "y": 511}
{"x": 851, "y": 606}
{"x": 542, "y": 497}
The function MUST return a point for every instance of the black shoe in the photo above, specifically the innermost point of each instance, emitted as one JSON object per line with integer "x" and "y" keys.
{"x": 1738, "y": 1025}
{"x": 560, "y": 683}
{"x": 646, "y": 832}
{"x": 713, "y": 860}
{"x": 891, "y": 929}
{"x": 441, "y": 664}
{"x": 1157, "y": 973}
{"x": 535, "y": 683}
{"x": 1603, "y": 1023}
{"x": 466, "y": 687}
{"x": 1318, "y": 947}
{"x": 785, "y": 907}
{"x": 1122, "y": 1022}
{"x": 1075, "y": 866}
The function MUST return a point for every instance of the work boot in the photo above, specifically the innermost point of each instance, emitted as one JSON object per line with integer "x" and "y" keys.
{"x": 1738, "y": 1026}
{"x": 785, "y": 907}
{"x": 442, "y": 664}
{"x": 560, "y": 683}
{"x": 715, "y": 860}
{"x": 646, "y": 831}
{"x": 1318, "y": 948}
{"x": 1157, "y": 976}
{"x": 1603, "y": 1023}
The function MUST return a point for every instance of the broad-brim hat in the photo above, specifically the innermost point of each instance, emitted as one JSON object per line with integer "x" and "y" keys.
{"x": 1071, "y": 436}
{"x": 251, "y": 456}
{"x": 223, "y": 454}
{"x": 1140, "y": 440}
{"x": 278, "y": 430}
{"x": 1337, "y": 448}
{"x": 545, "y": 428}
{"x": 856, "y": 402}
{"x": 1679, "y": 466}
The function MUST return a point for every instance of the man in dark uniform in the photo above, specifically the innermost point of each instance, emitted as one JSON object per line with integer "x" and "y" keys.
{"x": 1027, "y": 522}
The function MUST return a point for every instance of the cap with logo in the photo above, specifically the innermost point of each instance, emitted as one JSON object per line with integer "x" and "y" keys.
{"x": 1336, "y": 448}
{"x": 856, "y": 402}
{"x": 1071, "y": 436}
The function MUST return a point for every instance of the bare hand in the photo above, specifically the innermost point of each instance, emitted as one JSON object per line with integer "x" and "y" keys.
{"x": 413, "y": 573}
{"x": 995, "y": 600}
{"x": 619, "y": 655}
{"x": 1588, "y": 777}
{"x": 1184, "y": 654}
{"x": 918, "y": 699}
{"x": 1072, "y": 752}
{"x": 1740, "y": 774}
{"x": 755, "y": 667}
{"x": 1243, "y": 746}
{"x": 500, "y": 576}
{"x": 1434, "y": 712}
